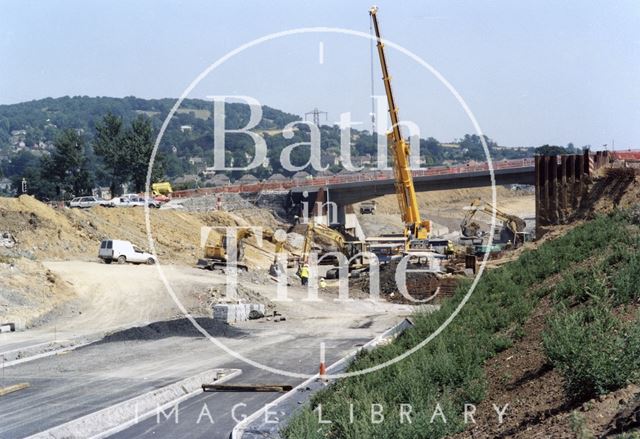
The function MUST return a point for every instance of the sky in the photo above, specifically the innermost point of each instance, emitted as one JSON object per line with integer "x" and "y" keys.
{"x": 531, "y": 72}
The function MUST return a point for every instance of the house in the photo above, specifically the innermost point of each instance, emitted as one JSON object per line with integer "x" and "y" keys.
{"x": 186, "y": 179}
{"x": 102, "y": 192}
{"x": 5, "y": 186}
{"x": 277, "y": 177}
{"x": 195, "y": 160}
{"x": 209, "y": 171}
{"x": 301, "y": 175}
{"x": 185, "y": 128}
{"x": 217, "y": 180}
{"x": 325, "y": 173}
{"x": 248, "y": 179}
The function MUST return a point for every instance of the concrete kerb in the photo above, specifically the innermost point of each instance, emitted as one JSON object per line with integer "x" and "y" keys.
{"x": 118, "y": 417}
{"x": 255, "y": 426}
{"x": 41, "y": 350}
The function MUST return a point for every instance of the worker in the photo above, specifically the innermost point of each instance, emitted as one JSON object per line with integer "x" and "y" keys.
{"x": 323, "y": 283}
{"x": 450, "y": 250}
{"x": 304, "y": 274}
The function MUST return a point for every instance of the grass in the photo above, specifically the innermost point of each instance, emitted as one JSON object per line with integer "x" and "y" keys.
{"x": 449, "y": 370}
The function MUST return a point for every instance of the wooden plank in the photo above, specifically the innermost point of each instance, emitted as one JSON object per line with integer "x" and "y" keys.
{"x": 13, "y": 388}
{"x": 246, "y": 388}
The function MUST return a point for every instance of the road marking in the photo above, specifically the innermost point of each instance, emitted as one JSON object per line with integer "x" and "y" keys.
{"x": 321, "y": 52}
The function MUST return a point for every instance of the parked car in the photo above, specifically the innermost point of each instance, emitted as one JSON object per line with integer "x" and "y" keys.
{"x": 121, "y": 202}
{"x": 84, "y": 202}
{"x": 122, "y": 252}
{"x": 137, "y": 200}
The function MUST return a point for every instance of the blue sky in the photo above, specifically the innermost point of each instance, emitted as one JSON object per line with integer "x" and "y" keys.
{"x": 532, "y": 72}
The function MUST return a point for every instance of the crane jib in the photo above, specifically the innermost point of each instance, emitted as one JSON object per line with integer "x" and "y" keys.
{"x": 407, "y": 201}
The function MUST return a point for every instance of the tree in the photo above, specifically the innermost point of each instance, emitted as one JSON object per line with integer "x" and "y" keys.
{"x": 550, "y": 150}
{"x": 138, "y": 142}
{"x": 109, "y": 144}
{"x": 67, "y": 167}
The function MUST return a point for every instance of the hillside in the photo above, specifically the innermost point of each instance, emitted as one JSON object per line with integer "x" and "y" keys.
{"x": 29, "y": 290}
{"x": 30, "y": 130}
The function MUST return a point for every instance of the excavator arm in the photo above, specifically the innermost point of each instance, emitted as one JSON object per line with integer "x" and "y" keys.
{"x": 414, "y": 227}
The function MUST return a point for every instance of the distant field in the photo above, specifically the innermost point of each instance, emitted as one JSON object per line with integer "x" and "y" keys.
{"x": 200, "y": 114}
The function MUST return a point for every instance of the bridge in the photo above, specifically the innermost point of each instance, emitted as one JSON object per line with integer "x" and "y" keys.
{"x": 351, "y": 188}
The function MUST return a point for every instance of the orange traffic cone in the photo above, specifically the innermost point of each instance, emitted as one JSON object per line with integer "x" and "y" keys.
{"x": 323, "y": 370}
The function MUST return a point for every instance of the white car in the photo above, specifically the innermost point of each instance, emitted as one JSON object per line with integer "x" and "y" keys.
{"x": 121, "y": 202}
{"x": 123, "y": 252}
{"x": 137, "y": 200}
{"x": 84, "y": 202}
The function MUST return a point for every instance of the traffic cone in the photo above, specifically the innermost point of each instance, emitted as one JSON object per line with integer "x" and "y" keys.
{"x": 323, "y": 370}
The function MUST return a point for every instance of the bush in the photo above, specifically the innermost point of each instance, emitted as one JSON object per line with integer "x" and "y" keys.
{"x": 593, "y": 350}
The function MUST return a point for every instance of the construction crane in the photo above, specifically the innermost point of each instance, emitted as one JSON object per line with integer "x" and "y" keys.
{"x": 513, "y": 224}
{"x": 416, "y": 230}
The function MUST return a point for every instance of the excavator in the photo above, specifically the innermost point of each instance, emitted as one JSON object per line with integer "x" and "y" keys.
{"x": 216, "y": 254}
{"x": 337, "y": 239}
{"x": 512, "y": 225}
{"x": 416, "y": 230}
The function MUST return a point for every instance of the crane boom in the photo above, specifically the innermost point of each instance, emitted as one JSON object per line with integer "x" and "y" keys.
{"x": 415, "y": 229}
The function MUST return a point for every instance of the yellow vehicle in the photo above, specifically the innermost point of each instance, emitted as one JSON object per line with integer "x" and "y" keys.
{"x": 512, "y": 225}
{"x": 161, "y": 188}
{"x": 353, "y": 250}
{"x": 216, "y": 254}
{"x": 416, "y": 230}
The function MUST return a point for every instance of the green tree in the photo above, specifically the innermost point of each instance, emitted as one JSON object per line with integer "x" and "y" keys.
{"x": 551, "y": 150}
{"x": 139, "y": 139}
{"x": 67, "y": 168}
{"x": 109, "y": 144}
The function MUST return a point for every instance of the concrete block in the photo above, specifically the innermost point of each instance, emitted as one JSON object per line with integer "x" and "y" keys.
{"x": 231, "y": 313}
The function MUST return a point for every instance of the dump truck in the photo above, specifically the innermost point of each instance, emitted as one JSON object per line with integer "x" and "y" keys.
{"x": 368, "y": 207}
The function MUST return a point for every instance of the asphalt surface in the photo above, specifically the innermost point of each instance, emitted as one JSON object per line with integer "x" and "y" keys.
{"x": 66, "y": 387}
{"x": 215, "y": 414}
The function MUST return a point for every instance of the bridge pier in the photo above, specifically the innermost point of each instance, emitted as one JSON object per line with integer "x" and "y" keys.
{"x": 561, "y": 183}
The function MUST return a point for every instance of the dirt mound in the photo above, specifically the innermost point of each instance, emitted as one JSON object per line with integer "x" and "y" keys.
{"x": 43, "y": 232}
{"x": 28, "y": 290}
{"x": 174, "y": 328}
{"x": 422, "y": 287}
{"x": 618, "y": 187}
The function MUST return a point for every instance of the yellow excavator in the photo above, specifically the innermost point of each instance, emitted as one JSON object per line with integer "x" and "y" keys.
{"x": 320, "y": 232}
{"x": 512, "y": 225}
{"x": 216, "y": 254}
{"x": 416, "y": 230}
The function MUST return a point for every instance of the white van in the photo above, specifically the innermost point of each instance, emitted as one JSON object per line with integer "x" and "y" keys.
{"x": 122, "y": 252}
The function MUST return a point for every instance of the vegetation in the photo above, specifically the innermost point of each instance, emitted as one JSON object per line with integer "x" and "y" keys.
{"x": 594, "y": 350}
{"x": 101, "y": 121}
{"x": 449, "y": 370}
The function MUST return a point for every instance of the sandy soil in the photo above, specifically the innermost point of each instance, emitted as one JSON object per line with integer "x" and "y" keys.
{"x": 445, "y": 209}
{"x": 29, "y": 290}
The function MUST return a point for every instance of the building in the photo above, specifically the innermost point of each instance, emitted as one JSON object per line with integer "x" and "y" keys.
{"x": 248, "y": 179}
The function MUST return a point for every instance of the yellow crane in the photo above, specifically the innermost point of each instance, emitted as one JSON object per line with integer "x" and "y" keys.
{"x": 416, "y": 230}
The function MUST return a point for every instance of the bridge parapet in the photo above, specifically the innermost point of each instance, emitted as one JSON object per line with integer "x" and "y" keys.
{"x": 381, "y": 176}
